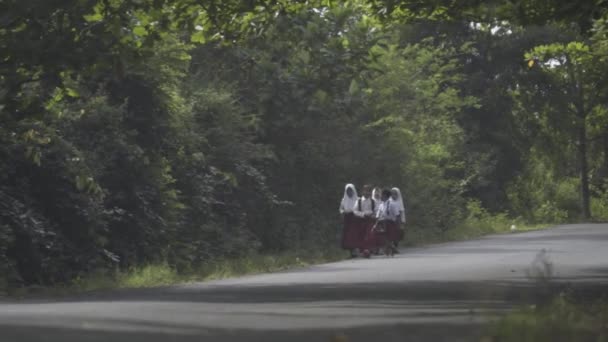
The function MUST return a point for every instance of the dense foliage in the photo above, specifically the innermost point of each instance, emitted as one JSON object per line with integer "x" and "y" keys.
{"x": 144, "y": 131}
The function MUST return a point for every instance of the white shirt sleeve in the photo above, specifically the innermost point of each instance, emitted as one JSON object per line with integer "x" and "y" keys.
{"x": 359, "y": 213}
{"x": 369, "y": 210}
{"x": 394, "y": 210}
{"x": 381, "y": 211}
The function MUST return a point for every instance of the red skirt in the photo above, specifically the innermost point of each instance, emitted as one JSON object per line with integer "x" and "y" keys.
{"x": 371, "y": 240}
{"x": 393, "y": 231}
{"x": 387, "y": 231}
{"x": 351, "y": 235}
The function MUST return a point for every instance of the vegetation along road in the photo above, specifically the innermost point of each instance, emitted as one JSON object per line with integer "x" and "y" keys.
{"x": 441, "y": 292}
{"x": 148, "y": 143}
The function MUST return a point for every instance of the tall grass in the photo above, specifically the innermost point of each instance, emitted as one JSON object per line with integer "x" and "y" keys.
{"x": 563, "y": 319}
{"x": 477, "y": 223}
{"x": 599, "y": 208}
{"x": 164, "y": 274}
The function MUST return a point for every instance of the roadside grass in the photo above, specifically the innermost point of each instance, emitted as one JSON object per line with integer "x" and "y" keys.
{"x": 562, "y": 319}
{"x": 576, "y": 314}
{"x": 419, "y": 237}
{"x": 478, "y": 223}
{"x": 163, "y": 274}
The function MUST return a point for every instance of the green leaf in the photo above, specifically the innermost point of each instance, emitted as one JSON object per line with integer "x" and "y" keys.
{"x": 140, "y": 31}
{"x": 198, "y": 37}
{"x": 72, "y": 92}
{"x": 230, "y": 178}
{"x": 36, "y": 158}
{"x": 354, "y": 87}
{"x": 92, "y": 18}
{"x": 321, "y": 96}
{"x": 28, "y": 152}
{"x": 184, "y": 56}
{"x": 80, "y": 183}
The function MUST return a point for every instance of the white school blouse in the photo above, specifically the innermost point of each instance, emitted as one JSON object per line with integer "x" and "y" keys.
{"x": 388, "y": 210}
{"x": 348, "y": 205}
{"x": 367, "y": 209}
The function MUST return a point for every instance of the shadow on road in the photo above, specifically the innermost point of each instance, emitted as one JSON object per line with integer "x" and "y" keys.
{"x": 297, "y": 308}
{"x": 388, "y": 333}
{"x": 427, "y": 291}
{"x": 397, "y": 312}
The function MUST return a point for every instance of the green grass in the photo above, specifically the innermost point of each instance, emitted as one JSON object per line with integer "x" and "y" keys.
{"x": 467, "y": 231}
{"x": 477, "y": 224}
{"x": 163, "y": 274}
{"x": 563, "y": 319}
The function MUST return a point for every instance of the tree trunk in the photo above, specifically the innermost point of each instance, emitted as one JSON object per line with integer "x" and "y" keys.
{"x": 582, "y": 145}
{"x": 584, "y": 169}
{"x": 604, "y": 173}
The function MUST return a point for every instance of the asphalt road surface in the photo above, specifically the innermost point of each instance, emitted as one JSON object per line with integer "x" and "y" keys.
{"x": 441, "y": 292}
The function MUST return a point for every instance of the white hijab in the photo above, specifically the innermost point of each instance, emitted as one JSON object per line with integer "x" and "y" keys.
{"x": 374, "y": 193}
{"x": 348, "y": 203}
{"x": 399, "y": 202}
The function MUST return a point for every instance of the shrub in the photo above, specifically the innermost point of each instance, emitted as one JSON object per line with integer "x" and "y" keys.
{"x": 599, "y": 206}
{"x": 549, "y": 212}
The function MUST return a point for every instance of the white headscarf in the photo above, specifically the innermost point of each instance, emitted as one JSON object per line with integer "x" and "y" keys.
{"x": 374, "y": 193}
{"x": 348, "y": 203}
{"x": 400, "y": 203}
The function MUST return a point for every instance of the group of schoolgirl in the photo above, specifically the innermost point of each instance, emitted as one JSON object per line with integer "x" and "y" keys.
{"x": 372, "y": 222}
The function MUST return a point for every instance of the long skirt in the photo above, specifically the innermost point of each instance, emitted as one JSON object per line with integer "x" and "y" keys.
{"x": 393, "y": 231}
{"x": 376, "y": 239}
{"x": 370, "y": 238}
{"x": 386, "y": 231}
{"x": 351, "y": 235}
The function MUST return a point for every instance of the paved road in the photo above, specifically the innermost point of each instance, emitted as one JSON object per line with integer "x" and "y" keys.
{"x": 441, "y": 292}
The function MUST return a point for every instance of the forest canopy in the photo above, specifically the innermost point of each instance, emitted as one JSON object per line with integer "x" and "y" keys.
{"x": 144, "y": 131}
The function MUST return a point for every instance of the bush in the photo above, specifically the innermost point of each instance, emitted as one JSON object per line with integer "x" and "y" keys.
{"x": 599, "y": 206}
{"x": 6, "y": 267}
{"x": 549, "y": 212}
{"x": 543, "y": 197}
{"x": 479, "y": 222}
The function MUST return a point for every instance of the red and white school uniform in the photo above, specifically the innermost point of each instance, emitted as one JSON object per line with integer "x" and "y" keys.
{"x": 400, "y": 204}
{"x": 365, "y": 213}
{"x": 388, "y": 216}
{"x": 350, "y": 228}
{"x": 401, "y": 207}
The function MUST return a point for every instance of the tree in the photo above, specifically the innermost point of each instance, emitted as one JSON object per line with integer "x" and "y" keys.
{"x": 576, "y": 77}
{"x": 416, "y": 102}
